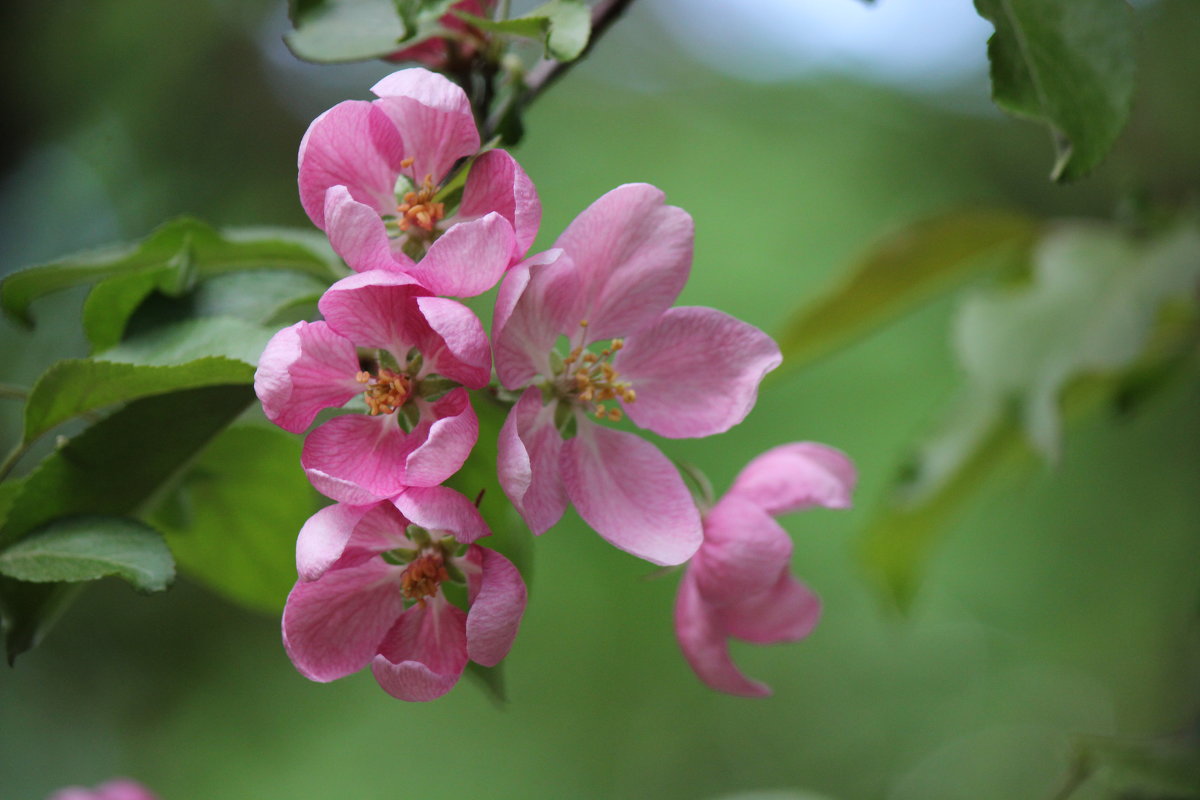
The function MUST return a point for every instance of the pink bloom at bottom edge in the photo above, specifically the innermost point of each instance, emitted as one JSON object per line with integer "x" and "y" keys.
{"x": 116, "y": 789}
{"x": 372, "y": 592}
{"x": 738, "y": 584}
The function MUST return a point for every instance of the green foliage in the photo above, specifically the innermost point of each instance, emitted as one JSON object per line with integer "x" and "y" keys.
{"x": 563, "y": 26}
{"x": 329, "y": 31}
{"x": 232, "y": 520}
{"x": 1068, "y": 64}
{"x": 1139, "y": 768}
{"x": 85, "y": 548}
{"x": 902, "y": 271}
{"x": 29, "y": 610}
{"x": 78, "y": 386}
{"x": 188, "y": 340}
{"x": 171, "y": 260}
{"x": 1091, "y": 320}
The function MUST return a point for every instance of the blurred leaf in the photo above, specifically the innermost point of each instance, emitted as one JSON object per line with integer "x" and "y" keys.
{"x": 1094, "y": 301}
{"x": 1170, "y": 769}
{"x": 8, "y": 492}
{"x": 510, "y": 536}
{"x": 233, "y": 519}
{"x": 255, "y": 295}
{"x": 491, "y": 679}
{"x": 28, "y": 610}
{"x": 192, "y": 339}
{"x": 900, "y": 272}
{"x": 1088, "y": 325}
{"x": 329, "y": 31}
{"x": 76, "y": 386}
{"x": 563, "y": 26}
{"x": 177, "y": 253}
{"x": 118, "y": 464}
{"x": 87, "y": 548}
{"x": 1069, "y": 64}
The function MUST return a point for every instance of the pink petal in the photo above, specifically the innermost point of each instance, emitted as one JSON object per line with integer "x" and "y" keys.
{"x": 433, "y": 117}
{"x": 497, "y": 597}
{"x": 323, "y": 538}
{"x": 333, "y": 626}
{"x": 744, "y": 552}
{"x": 458, "y": 347}
{"x": 376, "y": 309}
{"x": 538, "y": 300}
{"x": 340, "y": 489}
{"x": 796, "y": 476}
{"x": 358, "y": 235}
{"x": 695, "y": 371}
{"x": 354, "y": 145}
{"x": 119, "y": 789}
{"x": 497, "y": 183}
{"x": 305, "y": 368}
{"x": 425, "y": 653}
{"x": 705, "y": 647}
{"x": 443, "y": 510}
{"x": 528, "y": 462}
{"x": 785, "y": 612}
{"x": 631, "y": 494}
{"x": 633, "y": 254}
{"x": 450, "y": 429}
{"x": 468, "y": 259}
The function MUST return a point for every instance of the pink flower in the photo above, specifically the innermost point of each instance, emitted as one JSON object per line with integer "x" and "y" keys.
{"x": 738, "y": 584}
{"x": 117, "y": 789}
{"x": 371, "y": 592}
{"x": 420, "y": 426}
{"x": 460, "y": 43}
{"x": 370, "y": 177}
{"x": 679, "y": 372}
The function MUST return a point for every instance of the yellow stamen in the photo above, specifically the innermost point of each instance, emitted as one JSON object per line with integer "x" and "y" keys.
{"x": 386, "y": 392}
{"x": 423, "y": 576}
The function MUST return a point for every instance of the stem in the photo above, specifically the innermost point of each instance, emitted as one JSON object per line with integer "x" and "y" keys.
{"x": 12, "y": 458}
{"x": 502, "y": 10}
{"x": 547, "y": 71}
{"x": 13, "y": 391}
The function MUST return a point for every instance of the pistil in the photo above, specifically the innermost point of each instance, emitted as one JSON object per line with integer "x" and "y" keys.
{"x": 386, "y": 392}
{"x": 423, "y": 576}
{"x": 591, "y": 379}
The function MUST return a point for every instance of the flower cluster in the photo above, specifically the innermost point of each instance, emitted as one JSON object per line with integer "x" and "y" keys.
{"x": 585, "y": 337}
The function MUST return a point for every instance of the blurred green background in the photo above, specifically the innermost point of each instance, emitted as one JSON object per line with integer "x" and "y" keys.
{"x": 1062, "y": 602}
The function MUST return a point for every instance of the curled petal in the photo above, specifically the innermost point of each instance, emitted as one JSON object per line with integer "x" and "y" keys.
{"x": 433, "y": 117}
{"x": 457, "y": 348}
{"x": 450, "y": 429}
{"x": 696, "y": 371}
{"x": 376, "y": 309}
{"x": 305, "y": 368}
{"x": 333, "y": 626}
{"x": 497, "y": 183}
{"x": 425, "y": 653}
{"x": 440, "y": 508}
{"x": 796, "y": 476}
{"x": 538, "y": 300}
{"x": 497, "y": 596}
{"x": 785, "y": 612}
{"x": 705, "y": 647}
{"x": 354, "y": 145}
{"x": 358, "y": 235}
{"x": 633, "y": 254}
{"x": 323, "y": 538}
{"x": 744, "y": 552}
{"x": 630, "y": 494}
{"x": 529, "y": 451}
{"x": 468, "y": 259}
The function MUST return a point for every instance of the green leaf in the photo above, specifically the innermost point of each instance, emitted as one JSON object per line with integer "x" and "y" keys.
{"x": 177, "y": 253}
{"x": 330, "y": 31}
{"x": 191, "y": 339}
{"x": 1068, "y": 64}
{"x": 227, "y": 529}
{"x": 563, "y": 26}
{"x": 1135, "y": 768}
{"x": 87, "y": 548}
{"x": 29, "y": 610}
{"x": 117, "y": 465}
{"x": 8, "y": 492}
{"x": 901, "y": 272}
{"x": 1094, "y": 302}
{"x": 76, "y": 386}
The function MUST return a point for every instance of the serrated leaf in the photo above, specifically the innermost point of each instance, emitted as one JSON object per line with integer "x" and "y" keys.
{"x": 29, "y": 610}
{"x": 76, "y": 386}
{"x": 1068, "y": 64}
{"x": 87, "y": 548}
{"x": 227, "y": 529}
{"x": 900, "y": 272}
{"x": 1091, "y": 308}
{"x": 119, "y": 463}
{"x": 563, "y": 26}
{"x": 192, "y": 339}
{"x": 331, "y": 31}
{"x": 179, "y": 251}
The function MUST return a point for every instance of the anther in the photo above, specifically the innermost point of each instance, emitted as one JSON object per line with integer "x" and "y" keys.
{"x": 406, "y": 163}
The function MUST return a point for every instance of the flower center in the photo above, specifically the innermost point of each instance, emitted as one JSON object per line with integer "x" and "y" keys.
{"x": 385, "y": 392}
{"x": 590, "y": 380}
{"x": 423, "y": 576}
{"x": 418, "y": 208}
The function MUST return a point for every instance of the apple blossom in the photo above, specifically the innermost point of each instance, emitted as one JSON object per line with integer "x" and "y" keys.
{"x": 116, "y": 789}
{"x": 738, "y": 584}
